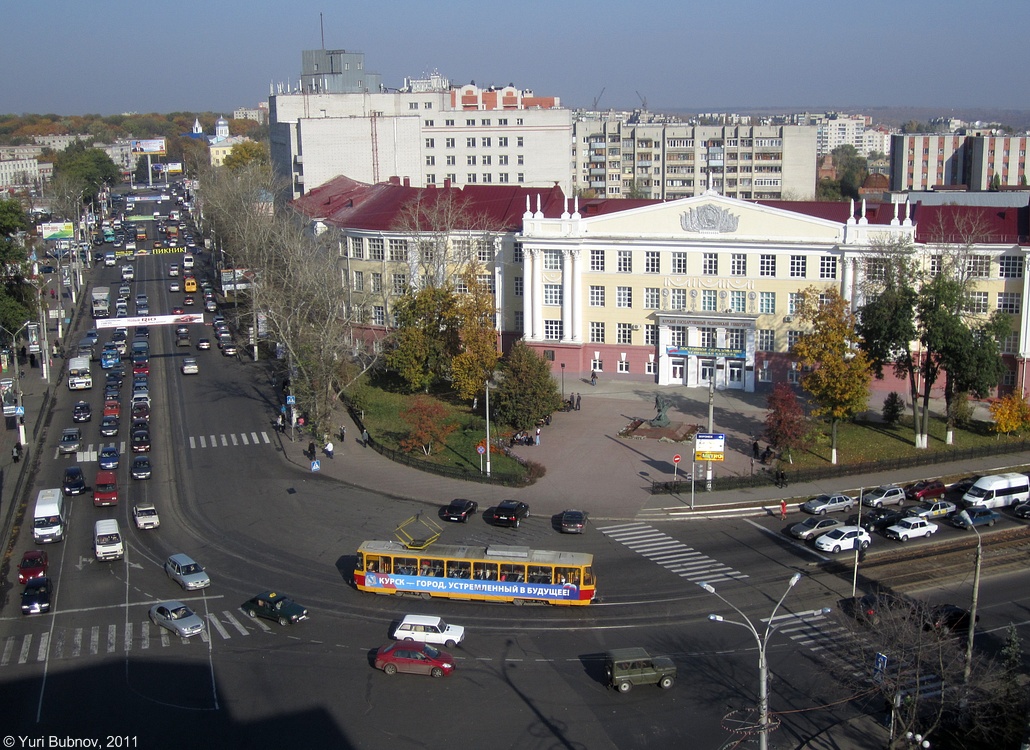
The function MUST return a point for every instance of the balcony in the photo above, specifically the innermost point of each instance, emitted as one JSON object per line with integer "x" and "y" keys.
{"x": 597, "y": 173}
{"x": 597, "y": 183}
{"x": 597, "y": 158}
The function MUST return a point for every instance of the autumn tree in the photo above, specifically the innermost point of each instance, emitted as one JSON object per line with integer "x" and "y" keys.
{"x": 526, "y": 391}
{"x": 477, "y": 315}
{"x": 428, "y": 424}
{"x": 1011, "y": 413}
{"x": 838, "y": 372}
{"x": 248, "y": 152}
{"x": 427, "y": 338}
{"x": 786, "y": 426}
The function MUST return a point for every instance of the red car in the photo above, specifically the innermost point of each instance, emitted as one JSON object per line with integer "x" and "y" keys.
{"x": 188, "y": 301}
{"x": 416, "y": 658}
{"x": 142, "y": 367}
{"x": 177, "y": 311}
{"x": 926, "y": 490}
{"x": 112, "y": 409}
{"x": 34, "y": 564}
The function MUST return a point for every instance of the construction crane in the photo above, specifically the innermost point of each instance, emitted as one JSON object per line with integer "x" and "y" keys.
{"x": 598, "y": 98}
{"x": 643, "y": 101}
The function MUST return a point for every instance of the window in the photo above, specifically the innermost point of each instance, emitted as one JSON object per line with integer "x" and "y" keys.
{"x": 767, "y": 265}
{"x": 428, "y": 123}
{"x": 710, "y": 264}
{"x": 597, "y": 296}
{"x": 357, "y": 247}
{"x": 449, "y": 123}
{"x": 767, "y": 303}
{"x": 707, "y": 337}
{"x": 552, "y": 260}
{"x": 378, "y": 315}
{"x": 793, "y": 376}
{"x": 398, "y": 250}
{"x": 430, "y": 142}
{"x": 377, "y": 283}
{"x": 709, "y": 300}
{"x": 470, "y": 143}
{"x": 677, "y": 299}
{"x": 798, "y": 266}
{"x": 470, "y": 178}
{"x": 623, "y": 333}
{"x": 1010, "y": 266}
{"x": 764, "y": 375}
{"x": 765, "y": 339}
{"x": 520, "y": 177}
{"x": 792, "y": 338}
{"x": 792, "y": 302}
{"x": 520, "y": 320}
{"x": 400, "y": 283}
{"x": 651, "y": 262}
{"x": 738, "y": 301}
{"x": 552, "y": 330}
{"x": 975, "y": 303}
{"x": 679, "y": 263}
{"x": 597, "y": 260}
{"x": 735, "y": 339}
{"x": 517, "y": 253}
{"x": 652, "y": 298}
{"x": 502, "y": 160}
{"x": 596, "y": 333}
{"x": 430, "y": 161}
{"x": 828, "y": 267}
{"x": 520, "y": 159}
{"x": 470, "y": 160}
{"x": 486, "y": 280}
{"x": 1010, "y": 344}
{"x": 978, "y": 266}
{"x": 519, "y": 142}
{"x": 936, "y": 264}
{"x": 519, "y": 286}
{"x": 359, "y": 281}
{"x": 431, "y": 178}
{"x": 623, "y": 296}
{"x": 622, "y": 365}
{"x": 625, "y": 261}
{"x": 678, "y": 336}
{"x": 650, "y": 334}
{"x": 503, "y": 141}
{"x": 738, "y": 264}
{"x": 552, "y": 294}
{"x": 376, "y": 251}
{"x": 486, "y": 163}
{"x": 449, "y": 143}
{"x": 1009, "y": 302}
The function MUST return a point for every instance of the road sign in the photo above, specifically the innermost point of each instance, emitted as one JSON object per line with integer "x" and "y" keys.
{"x": 316, "y": 465}
{"x": 880, "y": 668}
{"x": 710, "y": 446}
{"x": 676, "y": 458}
{"x": 19, "y": 411}
{"x": 480, "y": 450}
{"x": 291, "y": 400}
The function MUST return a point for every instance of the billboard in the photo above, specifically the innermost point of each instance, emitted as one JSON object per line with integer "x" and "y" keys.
{"x": 57, "y": 230}
{"x": 173, "y": 167}
{"x": 151, "y": 146}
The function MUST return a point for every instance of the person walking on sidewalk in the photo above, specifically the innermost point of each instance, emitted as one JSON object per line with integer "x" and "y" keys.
{"x": 593, "y": 378}
{"x": 343, "y": 434}
{"x": 364, "y": 438}
{"x": 579, "y": 398}
{"x": 538, "y": 436}
{"x": 329, "y": 449}
{"x": 311, "y": 450}
{"x": 783, "y": 510}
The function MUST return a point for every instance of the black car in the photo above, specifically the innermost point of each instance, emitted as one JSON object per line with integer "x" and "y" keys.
{"x": 947, "y": 619}
{"x": 82, "y": 412}
{"x": 510, "y": 513}
{"x": 1022, "y": 510}
{"x": 109, "y": 426}
{"x": 74, "y": 481}
{"x": 572, "y": 521}
{"x": 873, "y": 608}
{"x": 115, "y": 378}
{"x": 112, "y": 392}
{"x": 877, "y": 519}
{"x": 36, "y": 596}
{"x": 141, "y": 467}
{"x": 141, "y": 441}
{"x": 459, "y": 510}
{"x": 274, "y": 606}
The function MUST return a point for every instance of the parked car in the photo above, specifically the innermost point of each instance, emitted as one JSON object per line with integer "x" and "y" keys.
{"x": 34, "y": 564}
{"x": 274, "y": 606}
{"x": 229, "y": 349}
{"x": 876, "y": 519}
{"x": 178, "y": 618}
{"x": 414, "y": 658}
{"x": 911, "y": 527}
{"x": 843, "y": 538}
{"x": 934, "y": 509}
{"x": 945, "y": 619}
{"x": 186, "y": 572}
{"x": 828, "y": 504}
{"x": 572, "y": 521}
{"x": 626, "y": 667}
{"x": 926, "y": 490}
{"x": 35, "y": 599}
{"x": 975, "y": 516}
{"x": 884, "y": 495}
{"x": 459, "y": 510}
{"x": 813, "y": 527}
{"x": 510, "y": 513}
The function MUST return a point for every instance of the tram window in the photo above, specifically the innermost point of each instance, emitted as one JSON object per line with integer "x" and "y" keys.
{"x": 513, "y": 572}
{"x": 406, "y": 566}
{"x": 377, "y": 564}
{"x": 458, "y": 568}
{"x": 431, "y": 567}
{"x": 484, "y": 571}
{"x": 588, "y": 576}
{"x": 566, "y": 575}
{"x": 539, "y": 573}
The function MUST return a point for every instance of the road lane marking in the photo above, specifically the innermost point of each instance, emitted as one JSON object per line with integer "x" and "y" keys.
{"x": 26, "y": 646}
{"x": 112, "y": 638}
{"x": 44, "y": 643}
{"x": 235, "y": 623}
{"x": 213, "y": 619}
{"x": 8, "y": 650}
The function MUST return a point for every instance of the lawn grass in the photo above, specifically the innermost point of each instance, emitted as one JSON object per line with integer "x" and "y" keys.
{"x": 858, "y": 442}
{"x": 383, "y": 409}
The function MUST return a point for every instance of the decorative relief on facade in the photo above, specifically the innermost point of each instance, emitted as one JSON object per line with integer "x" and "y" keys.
{"x": 708, "y": 218}
{"x": 707, "y": 282}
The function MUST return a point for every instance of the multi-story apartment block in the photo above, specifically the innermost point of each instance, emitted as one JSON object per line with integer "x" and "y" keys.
{"x": 259, "y": 114}
{"x": 835, "y": 129}
{"x": 676, "y": 293}
{"x": 925, "y": 161}
{"x": 429, "y": 133}
{"x": 617, "y": 158}
{"x": 24, "y": 172}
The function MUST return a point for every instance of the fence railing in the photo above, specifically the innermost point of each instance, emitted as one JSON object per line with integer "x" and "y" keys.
{"x": 765, "y": 478}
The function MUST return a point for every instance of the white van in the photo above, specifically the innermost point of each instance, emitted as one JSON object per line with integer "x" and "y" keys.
{"x": 48, "y": 519}
{"x": 110, "y": 258}
{"x": 128, "y": 273}
{"x": 429, "y": 629}
{"x": 187, "y": 261}
{"x": 998, "y": 491}
{"x": 107, "y": 540}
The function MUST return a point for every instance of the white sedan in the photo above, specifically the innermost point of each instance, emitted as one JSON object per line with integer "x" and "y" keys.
{"x": 842, "y": 538}
{"x": 910, "y": 528}
{"x": 190, "y": 366}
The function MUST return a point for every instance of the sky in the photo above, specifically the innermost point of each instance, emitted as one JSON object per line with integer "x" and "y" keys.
{"x": 110, "y": 56}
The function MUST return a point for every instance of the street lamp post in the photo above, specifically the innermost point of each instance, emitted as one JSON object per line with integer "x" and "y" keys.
{"x": 488, "y": 428}
{"x": 761, "y": 641}
{"x": 563, "y": 382}
{"x": 972, "y": 607}
{"x": 20, "y": 418}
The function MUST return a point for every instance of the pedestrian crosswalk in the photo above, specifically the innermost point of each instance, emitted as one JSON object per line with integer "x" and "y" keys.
{"x": 671, "y": 554}
{"x": 91, "y": 453}
{"x": 97, "y": 640}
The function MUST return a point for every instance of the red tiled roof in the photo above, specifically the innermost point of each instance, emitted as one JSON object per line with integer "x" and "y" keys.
{"x": 954, "y": 224}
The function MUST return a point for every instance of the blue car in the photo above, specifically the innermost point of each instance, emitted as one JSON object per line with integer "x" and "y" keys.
{"x": 109, "y": 458}
{"x": 975, "y": 516}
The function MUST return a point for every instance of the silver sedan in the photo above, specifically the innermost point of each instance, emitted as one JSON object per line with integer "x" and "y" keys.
{"x": 178, "y": 618}
{"x": 810, "y": 528}
{"x": 828, "y": 503}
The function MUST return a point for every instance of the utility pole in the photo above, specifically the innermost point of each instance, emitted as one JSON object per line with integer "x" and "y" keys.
{"x": 711, "y": 424}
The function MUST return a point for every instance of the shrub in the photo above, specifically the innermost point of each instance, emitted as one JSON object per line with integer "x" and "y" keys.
{"x": 893, "y": 408}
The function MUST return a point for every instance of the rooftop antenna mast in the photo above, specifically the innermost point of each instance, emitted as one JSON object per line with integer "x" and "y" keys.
{"x": 321, "y": 28}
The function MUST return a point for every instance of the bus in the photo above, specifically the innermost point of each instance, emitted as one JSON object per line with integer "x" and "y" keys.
{"x": 496, "y": 573}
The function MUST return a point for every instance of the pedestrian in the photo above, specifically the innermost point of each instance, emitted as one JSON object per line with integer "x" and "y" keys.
{"x": 579, "y": 398}
{"x": 538, "y": 436}
{"x": 475, "y": 403}
{"x": 55, "y": 350}
{"x": 593, "y": 378}
{"x": 756, "y": 449}
{"x": 279, "y": 422}
{"x": 16, "y": 452}
{"x": 783, "y": 510}
{"x": 364, "y": 438}
{"x": 329, "y": 449}
{"x": 311, "y": 450}
{"x": 343, "y": 434}
{"x": 32, "y": 360}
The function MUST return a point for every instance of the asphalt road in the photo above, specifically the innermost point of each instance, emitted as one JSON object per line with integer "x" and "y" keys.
{"x": 528, "y": 677}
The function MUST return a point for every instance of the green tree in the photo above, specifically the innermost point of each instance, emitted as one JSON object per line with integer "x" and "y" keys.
{"x": 893, "y": 406}
{"x": 92, "y": 167}
{"x": 526, "y": 391}
{"x": 248, "y": 152}
{"x": 838, "y": 370}
{"x": 851, "y": 170}
{"x": 428, "y": 337}
{"x": 477, "y": 360}
{"x": 429, "y": 426}
{"x": 786, "y": 426}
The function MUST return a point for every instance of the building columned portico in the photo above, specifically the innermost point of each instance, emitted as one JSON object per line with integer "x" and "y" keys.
{"x": 719, "y": 347}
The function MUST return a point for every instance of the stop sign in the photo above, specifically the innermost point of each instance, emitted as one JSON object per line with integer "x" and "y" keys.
{"x": 676, "y": 458}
